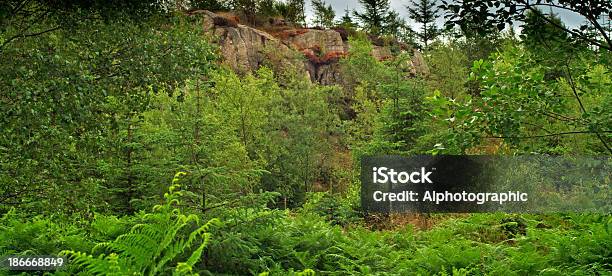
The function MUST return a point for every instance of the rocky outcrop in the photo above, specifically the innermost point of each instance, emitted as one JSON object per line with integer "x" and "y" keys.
{"x": 322, "y": 50}
{"x": 313, "y": 52}
{"x": 244, "y": 48}
{"x": 326, "y": 40}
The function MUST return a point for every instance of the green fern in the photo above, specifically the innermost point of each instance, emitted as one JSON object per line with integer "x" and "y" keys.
{"x": 305, "y": 272}
{"x": 150, "y": 248}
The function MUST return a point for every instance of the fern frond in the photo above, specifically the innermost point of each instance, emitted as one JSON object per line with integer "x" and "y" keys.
{"x": 150, "y": 246}
{"x": 101, "y": 265}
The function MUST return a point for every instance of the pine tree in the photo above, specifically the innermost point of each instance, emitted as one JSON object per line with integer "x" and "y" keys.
{"x": 296, "y": 11}
{"x": 324, "y": 14}
{"x": 291, "y": 10}
{"x": 397, "y": 27}
{"x": 347, "y": 21}
{"x": 374, "y": 16}
{"x": 424, "y": 12}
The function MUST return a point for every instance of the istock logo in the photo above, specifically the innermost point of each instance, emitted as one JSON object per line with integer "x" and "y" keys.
{"x": 384, "y": 175}
{"x": 482, "y": 183}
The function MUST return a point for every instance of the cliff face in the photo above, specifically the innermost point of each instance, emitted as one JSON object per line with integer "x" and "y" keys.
{"x": 315, "y": 53}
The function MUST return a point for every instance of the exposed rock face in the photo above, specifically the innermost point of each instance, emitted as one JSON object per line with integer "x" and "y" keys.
{"x": 314, "y": 52}
{"x": 326, "y": 40}
{"x": 244, "y": 48}
{"x": 322, "y": 49}
{"x": 418, "y": 63}
{"x": 325, "y": 74}
{"x": 381, "y": 53}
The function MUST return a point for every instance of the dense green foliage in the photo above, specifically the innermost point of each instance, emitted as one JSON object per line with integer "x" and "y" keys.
{"x": 483, "y": 15}
{"x": 58, "y": 134}
{"x": 99, "y": 113}
{"x": 256, "y": 10}
{"x": 151, "y": 246}
{"x": 254, "y": 239}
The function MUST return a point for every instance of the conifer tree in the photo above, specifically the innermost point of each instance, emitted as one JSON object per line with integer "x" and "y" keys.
{"x": 398, "y": 28}
{"x": 324, "y": 14}
{"x": 296, "y": 11}
{"x": 375, "y": 15}
{"x": 424, "y": 12}
{"x": 347, "y": 21}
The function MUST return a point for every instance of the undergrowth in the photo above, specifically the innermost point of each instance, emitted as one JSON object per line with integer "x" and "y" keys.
{"x": 256, "y": 240}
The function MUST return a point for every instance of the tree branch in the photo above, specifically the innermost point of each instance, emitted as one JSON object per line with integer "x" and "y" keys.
{"x": 546, "y": 135}
{"x": 27, "y": 35}
{"x": 601, "y": 30}
{"x": 573, "y": 86}
{"x": 565, "y": 29}
{"x": 556, "y": 116}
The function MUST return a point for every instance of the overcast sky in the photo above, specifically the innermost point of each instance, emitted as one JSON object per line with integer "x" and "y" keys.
{"x": 339, "y": 6}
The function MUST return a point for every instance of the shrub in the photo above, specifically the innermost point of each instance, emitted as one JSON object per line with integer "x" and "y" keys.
{"x": 225, "y": 22}
{"x": 333, "y": 208}
{"x": 344, "y": 33}
{"x": 39, "y": 235}
{"x": 376, "y": 40}
{"x": 514, "y": 226}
